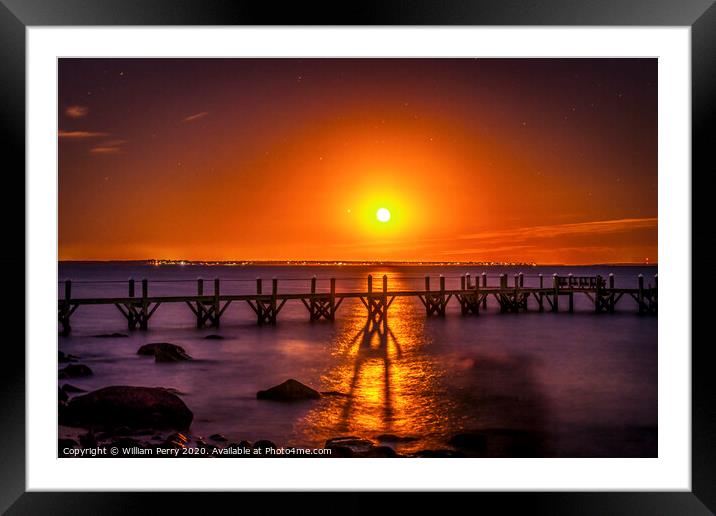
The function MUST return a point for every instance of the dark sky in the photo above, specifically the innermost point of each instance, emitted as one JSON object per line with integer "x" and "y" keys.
{"x": 544, "y": 160}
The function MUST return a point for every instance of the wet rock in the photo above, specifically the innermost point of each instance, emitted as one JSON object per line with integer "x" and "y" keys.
{"x": 134, "y": 407}
{"x": 262, "y": 445}
{"x": 66, "y": 443}
{"x": 170, "y": 354}
{"x": 111, "y": 336}
{"x": 151, "y": 348}
{"x": 290, "y": 390}
{"x": 88, "y": 440}
{"x": 439, "y": 454}
{"x": 474, "y": 442}
{"x": 71, "y": 388}
{"x": 354, "y": 444}
{"x": 177, "y": 440}
{"x": 513, "y": 442}
{"x": 214, "y": 337}
{"x": 74, "y": 371}
{"x": 246, "y": 444}
{"x": 65, "y": 357}
{"x": 126, "y": 442}
{"x": 173, "y": 391}
{"x": 164, "y": 352}
{"x": 392, "y": 438}
{"x": 62, "y": 395}
{"x": 380, "y": 452}
{"x": 218, "y": 437}
{"x": 340, "y": 452}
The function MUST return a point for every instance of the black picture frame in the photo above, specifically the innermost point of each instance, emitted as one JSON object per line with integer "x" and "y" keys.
{"x": 17, "y": 15}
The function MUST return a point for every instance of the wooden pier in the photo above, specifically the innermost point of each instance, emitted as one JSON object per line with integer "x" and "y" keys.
{"x": 208, "y": 308}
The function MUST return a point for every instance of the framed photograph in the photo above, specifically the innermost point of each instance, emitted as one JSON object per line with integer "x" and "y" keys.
{"x": 401, "y": 249}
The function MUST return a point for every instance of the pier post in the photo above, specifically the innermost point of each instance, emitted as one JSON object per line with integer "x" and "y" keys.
{"x": 217, "y": 307}
{"x": 570, "y": 282}
{"x": 517, "y": 282}
{"x": 522, "y": 280}
{"x": 484, "y": 285}
{"x": 333, "y": 299}
{"x": 598, "y": 295}
{"x": 462, "y": 282}
{"x": 144, "y": 320}
{"x": 65, "y": 309}
{"x": 428, "y": 300}
{"x": 477, "y": 296}
{"x": 443, "y": 302}
{"x": 312, "y": 301}
{"x": 274, "y": 294}
{"x": 260, "y": 313}
{"x": 612, "y": 298}
{"x": 640, "y": 295}
{"x": 555, "y": 295}
{"x": 468, "y": 280}
{"x": 384, "y": 303}
{"x": 540, "y": 296}
{"x": 131, "y": 287}
{"x": 200, "y": 303}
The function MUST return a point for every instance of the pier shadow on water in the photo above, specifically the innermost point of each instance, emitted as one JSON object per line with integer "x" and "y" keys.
{"x": 395, "y": 380}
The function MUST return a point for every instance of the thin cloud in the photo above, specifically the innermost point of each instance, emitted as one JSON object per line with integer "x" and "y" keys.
{"x": 80, "y": 135}
{"x": 196, "y": 116}
{"x": 114, "y": 143}
{"x": 76, "y": 111}
{"x": 488, "y": 249}
{"x": 108, "y": 147}
{"x": 600, "y": 227}
{"x": 105, "y": 150}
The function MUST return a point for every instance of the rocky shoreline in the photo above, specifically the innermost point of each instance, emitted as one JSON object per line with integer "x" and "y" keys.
{"x": 132, "y": 421}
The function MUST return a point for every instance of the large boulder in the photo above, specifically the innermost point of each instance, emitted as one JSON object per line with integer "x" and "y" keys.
{"x": 74, "y": 371}
{"x": 164, "y": 352}
{"x": 134, "y": 407}
{"x": 290, "y": 390}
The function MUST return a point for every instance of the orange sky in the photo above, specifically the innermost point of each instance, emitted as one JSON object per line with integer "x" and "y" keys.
{"x": 547, "y": 161}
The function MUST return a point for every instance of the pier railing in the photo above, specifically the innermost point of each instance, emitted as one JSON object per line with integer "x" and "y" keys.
{"x": 209, "y": 303}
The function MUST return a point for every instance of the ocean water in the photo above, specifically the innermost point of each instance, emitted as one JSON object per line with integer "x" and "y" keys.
{"x": 567, "y": 385}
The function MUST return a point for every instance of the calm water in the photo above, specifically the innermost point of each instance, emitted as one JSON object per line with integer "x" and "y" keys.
{"x": 584, "y": 384}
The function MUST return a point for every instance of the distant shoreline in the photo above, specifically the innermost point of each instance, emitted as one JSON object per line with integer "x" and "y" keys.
{"x": 348, "y": 263}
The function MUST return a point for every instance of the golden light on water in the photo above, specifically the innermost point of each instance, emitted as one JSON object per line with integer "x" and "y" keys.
{"x": 388, "y": 380}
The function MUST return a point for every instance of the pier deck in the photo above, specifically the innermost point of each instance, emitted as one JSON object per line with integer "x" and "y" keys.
{"x": 471, "y": 296}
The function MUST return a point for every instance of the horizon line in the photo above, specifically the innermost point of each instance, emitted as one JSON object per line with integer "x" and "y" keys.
{"x": 170, "y": 262}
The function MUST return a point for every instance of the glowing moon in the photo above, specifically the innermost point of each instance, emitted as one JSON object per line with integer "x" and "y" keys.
{"x": 383, "y": 215}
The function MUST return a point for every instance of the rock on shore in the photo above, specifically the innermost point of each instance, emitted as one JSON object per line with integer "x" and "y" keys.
{"x": 74, "y": 371}
{"x": 164, "y": 352}
{"x": 135, "y": 407}
{"x": 290, "y": 390}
